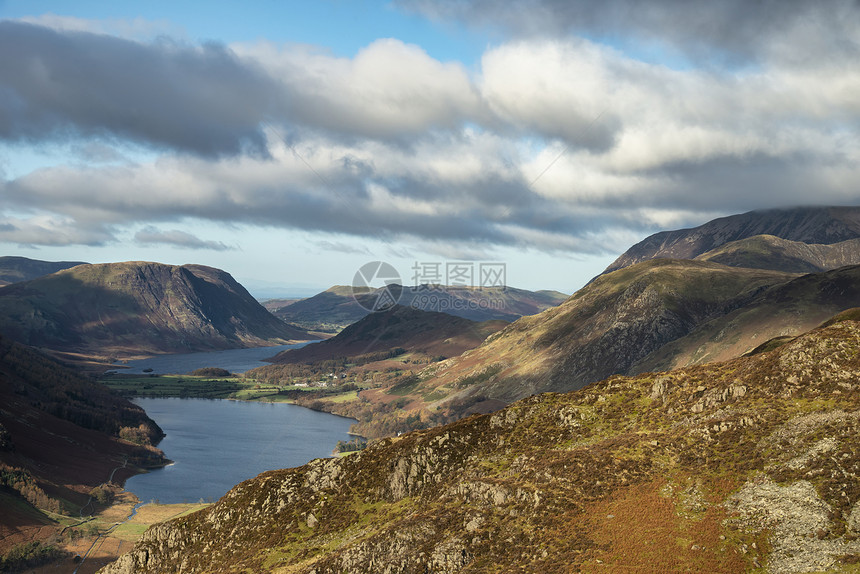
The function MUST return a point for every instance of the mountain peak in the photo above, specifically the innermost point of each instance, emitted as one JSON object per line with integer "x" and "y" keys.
{"x": 811, "y": 225}
{"x": 138, "y": 307}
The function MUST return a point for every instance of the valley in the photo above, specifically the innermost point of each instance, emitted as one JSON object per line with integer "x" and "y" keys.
{"x": 430, "y": 287}
{"x": 653, "y": 395}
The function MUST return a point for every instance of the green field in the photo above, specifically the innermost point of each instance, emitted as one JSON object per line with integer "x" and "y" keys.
{"x": 187, "y": 386}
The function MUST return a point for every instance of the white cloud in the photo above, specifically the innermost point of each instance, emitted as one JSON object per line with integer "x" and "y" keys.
{"x": 389, "y": 89}
{"x": 151, "y": 235}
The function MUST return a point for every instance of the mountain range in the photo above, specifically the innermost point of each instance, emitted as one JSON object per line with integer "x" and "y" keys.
{"x": 339, "y": 306}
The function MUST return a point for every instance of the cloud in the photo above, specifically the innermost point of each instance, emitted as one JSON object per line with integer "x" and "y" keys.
{"x": 555, "y": 143}
{"x": 387, "y": 91}
{"x": 176, "y": 238}
{"x": 342, "y": 247}
{"x": 198, "y": 99}
{"x": 727, "y": 32}
{"x": 51, "y": 230}
{"x": 139, "y": 29}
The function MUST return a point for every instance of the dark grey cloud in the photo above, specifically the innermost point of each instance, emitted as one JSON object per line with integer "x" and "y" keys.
{"x": 151, "y": 235}
{"x": 199, "y": 99}
{"x": 726, "y": 30}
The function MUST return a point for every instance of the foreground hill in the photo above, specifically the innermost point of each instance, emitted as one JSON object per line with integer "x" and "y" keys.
{"x": 17, "y": 269}
{"x": 410, "y": 330}
{"x": 813, "y": 225}
{"x": 59, "y": 438}
{"x": 732, "y": 467}
{"x": 335, "y": 308}
{"x": 137, "y": 308}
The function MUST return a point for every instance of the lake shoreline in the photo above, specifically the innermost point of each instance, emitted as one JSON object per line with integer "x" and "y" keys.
{"x": 241, "y": 438}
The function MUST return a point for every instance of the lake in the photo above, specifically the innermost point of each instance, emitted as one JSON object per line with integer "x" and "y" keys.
{"x": 233, "y": 360}
{"x": 216, "y": 444}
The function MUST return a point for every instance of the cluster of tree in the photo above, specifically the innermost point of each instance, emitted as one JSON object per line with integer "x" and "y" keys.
{"x": 351, "y": 445}
{"x": 211, "y": 372}
{"x": 64, "y": 393}
{"x": 23, "y": 483}
{"x": 102, "y": 494}
{"x": 29, "y": 555}
{"x": 137, "y": 435}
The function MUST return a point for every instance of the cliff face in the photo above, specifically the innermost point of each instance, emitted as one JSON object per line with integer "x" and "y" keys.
{"x": 724, "y": 468}
{"x": 813, "y": 225}
{"x": 137, "y": 307}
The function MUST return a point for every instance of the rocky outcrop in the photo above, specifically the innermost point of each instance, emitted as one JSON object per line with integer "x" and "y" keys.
{"x": 729, "y": 467}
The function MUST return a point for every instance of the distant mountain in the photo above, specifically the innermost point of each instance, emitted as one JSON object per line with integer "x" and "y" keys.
{"x": 745, "y": 466}
{"x": 415, "y": 331}
{"x": 136, "y": 308}
{"x": 60, "y": 437}
{"x": 812, "y": 225}
{"x": 17, "y": 269}
{"x": 335, "y": 308}
{"x": 770, "y": 252}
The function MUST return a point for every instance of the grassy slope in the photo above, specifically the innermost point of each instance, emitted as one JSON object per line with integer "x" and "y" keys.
{"x": 770, "y": 252}
{"x": 417, "y": 331}
{"x": 63, "y": 430}
{"x": 722, "y": 468}
{"x": 602, "y": 329}
{"x": 785, "y": 310}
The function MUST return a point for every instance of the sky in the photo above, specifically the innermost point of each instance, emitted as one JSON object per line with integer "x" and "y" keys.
{"x": 291, "y": 143}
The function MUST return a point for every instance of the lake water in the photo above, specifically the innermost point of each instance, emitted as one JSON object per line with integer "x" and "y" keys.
{"x": 233, "y": 360}
{"x": 216, "y": 444}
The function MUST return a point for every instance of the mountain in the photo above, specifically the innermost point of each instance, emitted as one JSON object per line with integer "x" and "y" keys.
{"x": 17, "y": 269}
{"x": 813, "y": 225}
{"x": 744, "y": 466}
{"x": 400, "y": 327}
{"x": 769, "y": 252}
{"x": 59, "y": 438}
{"x": 603, "y": 329}
{"x": 136, "y": 308}
{"x": 335, "y": 308}
{"x": 781, "y": 311}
